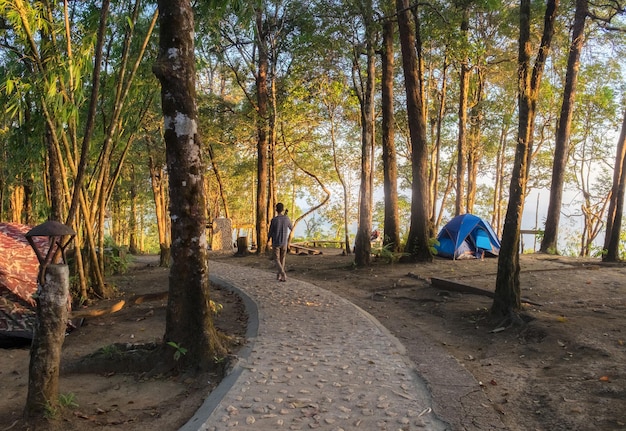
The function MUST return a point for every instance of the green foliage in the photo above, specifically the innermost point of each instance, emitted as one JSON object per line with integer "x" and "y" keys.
{"x": 52, "y": 411}
{"x": 622, "y": 242}
{"x": 432, "y": 243}
{"x": 109, "y": 352}
{"x": 68, "y": 400}
{"x": 179, "y": 352}
{"x": 596, "y": 251}
{"x": 313, "y": 227}
{"x": 388, "y": 255}
{"x": 116, "y": 258}
{"x": 315, "y": 78}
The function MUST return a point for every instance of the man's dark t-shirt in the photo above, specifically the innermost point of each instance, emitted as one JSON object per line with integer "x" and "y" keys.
{"x": 279, "y": 230}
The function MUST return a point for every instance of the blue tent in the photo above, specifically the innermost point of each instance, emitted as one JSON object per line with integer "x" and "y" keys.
{"x": 467, "y": 235}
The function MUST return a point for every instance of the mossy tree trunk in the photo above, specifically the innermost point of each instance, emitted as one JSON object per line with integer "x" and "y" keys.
{"x": 362, "y": 244}
{"x": 189, "y": 323}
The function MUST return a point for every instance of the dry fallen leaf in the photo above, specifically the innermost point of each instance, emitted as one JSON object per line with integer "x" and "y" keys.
{"x": 605, "y": 379}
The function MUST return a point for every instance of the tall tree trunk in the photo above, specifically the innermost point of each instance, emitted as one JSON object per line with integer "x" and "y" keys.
{"x": 506, "y": 301}
{"x": 496, "y": 219}
{"x": 419, "y": 232}
{"x": 435, "y": 154}
{"x": 391, "y": 235}
{"x": 549, "y": 242}
{"x": 78, "y": 194}
{"x": 272, "y": 198}
{"x": 344, "y": 187}
{"x": 262, "y": 136}
{"x": 474, "y": 146}
{"x": 132, "y": 222}
{"x": 362, "y": 243}
{"x": 616, "y": 206}
{"x": 461, "y": 148}
{"x": 189, "y": 324}
{"x": 29, "y": 217}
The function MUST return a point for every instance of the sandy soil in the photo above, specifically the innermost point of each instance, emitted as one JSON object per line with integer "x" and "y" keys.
{"x": 564, "y": 370}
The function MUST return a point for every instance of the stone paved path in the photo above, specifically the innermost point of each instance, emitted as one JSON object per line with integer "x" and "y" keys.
{"x": 314, "y": 361}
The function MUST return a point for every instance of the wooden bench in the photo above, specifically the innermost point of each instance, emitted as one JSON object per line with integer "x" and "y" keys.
{"x": 323, "y": 243}
{"x": 299, "y": 248}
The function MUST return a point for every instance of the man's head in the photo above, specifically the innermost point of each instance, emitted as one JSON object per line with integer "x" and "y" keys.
{"x": 280, "y": 207}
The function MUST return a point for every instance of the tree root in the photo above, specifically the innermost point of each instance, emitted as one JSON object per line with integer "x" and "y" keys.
{"x": 513, "y": 319}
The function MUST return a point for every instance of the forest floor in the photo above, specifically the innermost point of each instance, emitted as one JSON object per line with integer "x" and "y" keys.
{"x": 107, "y": 379}
{"x": 563, "y": 370}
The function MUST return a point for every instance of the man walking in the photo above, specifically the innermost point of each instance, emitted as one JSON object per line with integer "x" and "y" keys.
{"x": 279, "y": 235}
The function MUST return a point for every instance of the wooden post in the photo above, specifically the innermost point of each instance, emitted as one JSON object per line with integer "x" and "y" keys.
{"x": 242, "y": 246}
{"x": 45, "y": 353}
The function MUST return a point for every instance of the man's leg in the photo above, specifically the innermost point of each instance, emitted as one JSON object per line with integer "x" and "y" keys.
{"x": 283, "y": 256}
{"x": 280, "y": 272}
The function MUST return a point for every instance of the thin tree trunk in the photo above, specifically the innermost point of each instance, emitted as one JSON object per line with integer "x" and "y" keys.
{"x": 272, "y": 198}
{"x": 549, "y": 242}
{"x": 506, "y": 301}
{"x": 435, "y": 158}
{"x": 474, "y": 146}
{"x": 220, "y": 184}
{"x": 496, "y": 219}
{"x": 29, "y": 217}
{"x": 16, "y": 203}
{"x": 159, "y": 192}
{"x": 616, "y": 207}
{"x": 362, "y": 244}
{"x": 344, "y": 187}
{"x": 391, "y": 235}
{"x": 262, "y": 137}
{"x": 461, "y": 149}
{"x": 132, "y": 222}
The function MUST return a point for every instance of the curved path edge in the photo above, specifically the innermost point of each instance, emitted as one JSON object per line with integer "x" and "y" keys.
{"x": 215, "y": 397}
{"x": 313, "y": 359}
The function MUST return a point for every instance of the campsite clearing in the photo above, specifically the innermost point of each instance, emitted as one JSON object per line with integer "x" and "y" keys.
{"x": 563, "y": 370}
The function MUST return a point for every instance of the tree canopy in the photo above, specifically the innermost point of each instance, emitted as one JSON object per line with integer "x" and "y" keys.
{"x": 290, "y": 108}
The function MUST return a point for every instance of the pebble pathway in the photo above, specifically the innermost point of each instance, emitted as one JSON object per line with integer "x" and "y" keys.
{"x": 317, "y": 361}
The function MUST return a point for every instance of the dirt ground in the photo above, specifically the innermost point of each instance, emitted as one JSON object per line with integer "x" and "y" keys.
{"x": 100, "y": 391}
{"x": 564, "y": 370}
